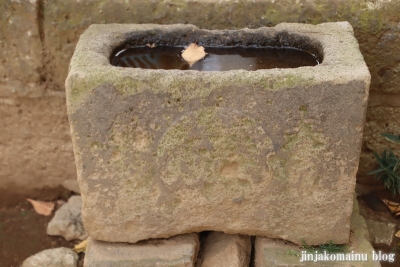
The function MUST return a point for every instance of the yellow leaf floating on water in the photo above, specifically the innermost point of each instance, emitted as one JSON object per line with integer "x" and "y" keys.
{"x": 41, "y": 207}
{"x": 81, "y": 247}
{"x": 193, "y": 53}
{"x": 394, "y": 207}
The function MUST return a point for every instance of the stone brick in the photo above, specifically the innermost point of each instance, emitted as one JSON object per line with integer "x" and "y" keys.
{"x": 383, "y": 59}
{"x": 276, "y": 253}
{"x": 20, "y": 49}
{"x": 367, "y": 164}
{"x": 35, "y": 143}
{"x": 376, "y": 25}
{"x": 384, "y": 100}
{"x": 379, "y": 120}
{"x": 382, "y": 120}
{"x": 224, "y": 250}
{"x": 178, "y": 251}
{"x": 381, "y": 233}
{"x": 161, "y": 153}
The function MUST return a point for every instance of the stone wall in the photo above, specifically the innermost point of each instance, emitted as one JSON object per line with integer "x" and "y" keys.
{"x": 37, "y": 39}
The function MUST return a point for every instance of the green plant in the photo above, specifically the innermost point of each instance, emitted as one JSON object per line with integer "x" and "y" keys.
{"x": 329, "y": 247}
{"x": 389, "y": 167}
{"x": 333, "y": 248}
{"x": 392, "y": 138}
{"x": 293, "y": 252}
{"x": 306, "y": 247}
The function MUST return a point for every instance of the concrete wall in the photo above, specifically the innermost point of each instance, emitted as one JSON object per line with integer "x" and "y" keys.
{"x": 37, "y": 39}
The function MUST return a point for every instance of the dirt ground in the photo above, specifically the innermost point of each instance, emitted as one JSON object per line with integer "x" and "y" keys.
{"x": 23, "y": 231}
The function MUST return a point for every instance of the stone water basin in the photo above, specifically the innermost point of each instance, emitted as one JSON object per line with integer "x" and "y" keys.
{"x": 269, "y": 152}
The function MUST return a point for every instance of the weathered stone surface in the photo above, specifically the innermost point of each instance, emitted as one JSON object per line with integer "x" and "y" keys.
{"x": 56, "y": 257}
{"x": 161, "y": 153}
{"x": 382, "y": 120}
{"x": 381, "y": 61}
{"x": 20, "y": 49}
{"x": 220, "y": 249}
{"x": 375, "y": 24}
{"x": 67, "y": 220}
{"x": 384, "y": 100}
{"x": 178, "y": 251}
{"x": 359, "y": 238}
{"x": 362, "y": 189}
{"x": 381, "y": 233}
{"x": 274, "y": 253}
{"x": 72, "y": 185}
{"x": 379, "y": 120}
{"x": 367, "y": 164}
{"x": 35, "y": 148}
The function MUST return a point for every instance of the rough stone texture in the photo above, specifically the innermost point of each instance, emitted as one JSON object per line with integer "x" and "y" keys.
{"x": 379, "y": 120}
{"x": 20, "y": 49}
{"x": 67, "y": 220}
{"x": 363, "y": 189}
{"x": 178, "y": 251}
{"x": 274, "y": 253}
{"x": 224, "y": 250}
{"x": 72, "y": 185}
{"x": 24, "y": 23}
{"x": 258, "y": 153}
{"x": 381, "y": 233}
{"x": 376, "y": 25}
{"x": 382, "y": 120}
{"x": 56, "y": 257}
{"x": 35, "y": 143}
{"x": 367, "y": 164}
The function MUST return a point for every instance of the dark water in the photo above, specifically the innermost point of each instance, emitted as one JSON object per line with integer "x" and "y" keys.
{"x": 218, "y": 59}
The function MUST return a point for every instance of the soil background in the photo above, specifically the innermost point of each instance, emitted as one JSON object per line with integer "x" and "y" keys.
{"x": 23, "y": 231}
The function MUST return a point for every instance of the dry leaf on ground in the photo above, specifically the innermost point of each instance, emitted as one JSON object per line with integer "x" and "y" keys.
{"x": 394, "y": 207}
{"x": 41, "y": 207}
{"x": 81, "y": 247}
{"x": 397, "y": 234}
{"x": 151, "y": 45}
{"x": 193, "y": 53}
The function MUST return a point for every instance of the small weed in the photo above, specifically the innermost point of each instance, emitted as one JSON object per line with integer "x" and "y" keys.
{"x": 307, "y": 247}
{"x": 334, "y": 248}
{"x": 293, "y": 252}
{"x": 329, "y": 247}
{"x": 389, "y": 167}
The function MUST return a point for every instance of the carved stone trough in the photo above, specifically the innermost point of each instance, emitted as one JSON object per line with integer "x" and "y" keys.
{"x": 269, "y": 152}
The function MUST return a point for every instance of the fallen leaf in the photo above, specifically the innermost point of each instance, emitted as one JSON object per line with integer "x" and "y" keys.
{"x": 41, "y": 207}
{"x": 397, "y": 234}
{"x": 151, "y": 45}
{"x": 193, "y": 53}
{"x": 394, "y": 207}
{"x": 81, "y": 247}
